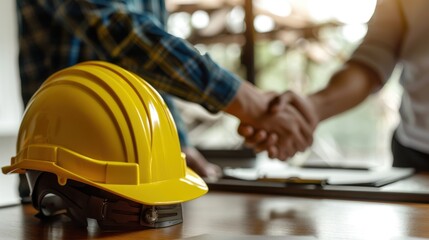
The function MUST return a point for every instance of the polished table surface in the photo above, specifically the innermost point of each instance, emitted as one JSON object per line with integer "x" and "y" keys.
{"x": 231, "y": 213}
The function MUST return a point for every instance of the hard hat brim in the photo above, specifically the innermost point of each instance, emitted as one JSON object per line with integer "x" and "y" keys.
{"x": 165, "y": 192}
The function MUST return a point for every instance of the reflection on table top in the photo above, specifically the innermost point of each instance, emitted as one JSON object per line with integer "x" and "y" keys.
{"x": 247, "y": 214}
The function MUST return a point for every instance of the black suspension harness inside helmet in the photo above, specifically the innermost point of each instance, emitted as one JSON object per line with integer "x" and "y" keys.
{"x": 80, "y": 201}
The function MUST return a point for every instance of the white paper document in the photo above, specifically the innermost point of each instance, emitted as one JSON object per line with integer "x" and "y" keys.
{"x": 329, "y": 176}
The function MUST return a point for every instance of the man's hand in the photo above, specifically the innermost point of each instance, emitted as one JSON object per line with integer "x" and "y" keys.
{"x": 197, "y": 162}
{"x": 300, "y": 118}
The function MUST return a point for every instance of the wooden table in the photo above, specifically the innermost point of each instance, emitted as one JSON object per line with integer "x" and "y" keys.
{"x": 247, "y": 214}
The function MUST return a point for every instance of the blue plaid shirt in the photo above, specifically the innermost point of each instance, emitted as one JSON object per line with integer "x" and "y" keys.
{"x": 54, "y": 34}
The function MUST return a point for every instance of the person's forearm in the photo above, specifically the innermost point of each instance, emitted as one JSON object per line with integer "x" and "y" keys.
{"x": 138, "y": 41}
{"x": 248, "y": 104}
{"x": 347, "y": 88}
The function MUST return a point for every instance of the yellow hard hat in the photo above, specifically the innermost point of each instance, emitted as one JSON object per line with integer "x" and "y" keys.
{"x": 101, "y": 125}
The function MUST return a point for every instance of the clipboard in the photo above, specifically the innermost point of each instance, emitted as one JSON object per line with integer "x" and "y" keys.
{"x": 321, "y": 176}
{"x": 394, "y": 188}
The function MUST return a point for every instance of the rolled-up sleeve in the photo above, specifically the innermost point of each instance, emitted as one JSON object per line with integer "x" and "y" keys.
{"x": 381, "y": 46}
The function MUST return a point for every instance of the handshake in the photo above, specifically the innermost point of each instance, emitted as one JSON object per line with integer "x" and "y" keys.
{"x": 281, "y": 124}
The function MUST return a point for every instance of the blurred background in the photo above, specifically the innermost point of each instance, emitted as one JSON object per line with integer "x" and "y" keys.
{"x": 278, "y": 45}
{"x": 284, "y": 45}
{"x": 10, "y": 101}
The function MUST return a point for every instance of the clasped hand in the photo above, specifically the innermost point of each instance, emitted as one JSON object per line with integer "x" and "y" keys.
{"x": 286, "y": 128}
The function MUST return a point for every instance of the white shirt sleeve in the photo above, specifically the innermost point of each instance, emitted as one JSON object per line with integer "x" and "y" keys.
{"x": 381, "y": 46}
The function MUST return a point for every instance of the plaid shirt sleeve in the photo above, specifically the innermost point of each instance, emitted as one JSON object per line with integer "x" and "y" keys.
{"x": 138, "y": 42}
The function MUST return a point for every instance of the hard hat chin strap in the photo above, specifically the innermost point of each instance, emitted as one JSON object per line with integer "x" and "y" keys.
{"x": 80, "y": 201}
